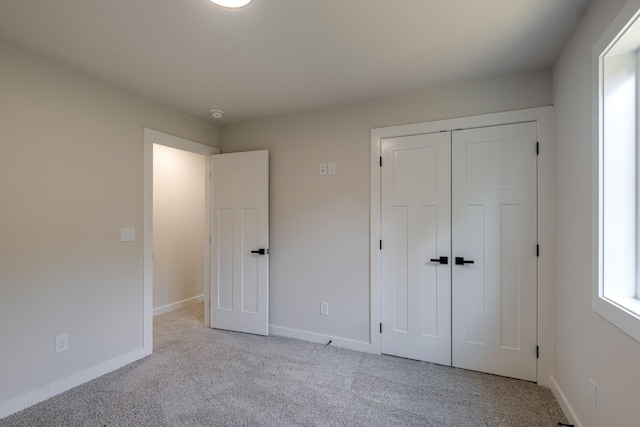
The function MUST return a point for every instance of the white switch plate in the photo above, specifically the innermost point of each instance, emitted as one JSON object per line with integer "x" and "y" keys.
{"x": 324, "y": 308}
{"x": 332, "y": 168}
{"x": 323, "y": 168}
{"x": 62, "y": 343}
{"x": 128, "y": 234}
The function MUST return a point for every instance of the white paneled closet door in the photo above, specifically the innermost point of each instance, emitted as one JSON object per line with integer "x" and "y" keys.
{"x": 494, "y": 224}
{"x": 469, "y": 196}
{"x": 416, "y": 234}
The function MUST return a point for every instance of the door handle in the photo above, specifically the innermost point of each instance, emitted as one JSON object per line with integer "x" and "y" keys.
{"x": 261, "y": 251}
{"x": 441, "y": 260}
{"x": 462, "y": 261}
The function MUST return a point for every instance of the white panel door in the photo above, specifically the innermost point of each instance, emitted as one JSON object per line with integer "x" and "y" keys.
{"x": 416, "y": 201}
{"x": 240, "y": 242}
{"x": 494, "y": 241}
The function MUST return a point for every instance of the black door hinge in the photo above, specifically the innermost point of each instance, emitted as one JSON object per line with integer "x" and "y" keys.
{"x": 380, "y": 244}
{"x": 537, "y": 352}
{"x": 537, "y": 250}
{"x": 537, "y": 148}
{"x": 380, "y": 161}
{"x": 380, "y": 327}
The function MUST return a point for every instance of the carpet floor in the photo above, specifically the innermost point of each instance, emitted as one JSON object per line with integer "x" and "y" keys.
{"x": 203, "y": 377}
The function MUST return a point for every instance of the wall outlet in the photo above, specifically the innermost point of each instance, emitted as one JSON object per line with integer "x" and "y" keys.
{"x": 323, "y": 168}
{"x": 128, "y": 234}
{"x": 62, "y": 343}
{"x": 324, "y": 308}
{"x": 593, "y": 393}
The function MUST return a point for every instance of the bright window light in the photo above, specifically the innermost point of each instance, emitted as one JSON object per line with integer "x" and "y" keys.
{"x": 616, "y": 293}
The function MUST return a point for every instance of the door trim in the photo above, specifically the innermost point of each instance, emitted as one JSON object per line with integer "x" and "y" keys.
{"x": 155, "y": 137}
{"x": 543, "y": 116}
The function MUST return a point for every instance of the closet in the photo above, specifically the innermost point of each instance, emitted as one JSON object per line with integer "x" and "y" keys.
{"x": 459, "y": 248}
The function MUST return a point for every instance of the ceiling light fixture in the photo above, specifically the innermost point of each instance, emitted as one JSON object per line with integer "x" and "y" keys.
{"x": 217, "y": 114}
{"x": 232, "y": 4}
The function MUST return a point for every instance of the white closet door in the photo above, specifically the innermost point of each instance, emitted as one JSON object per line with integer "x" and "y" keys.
{"x": 240, "y": 242}
{"x": 494, "y": 223}
{"x": 416, "y": 200}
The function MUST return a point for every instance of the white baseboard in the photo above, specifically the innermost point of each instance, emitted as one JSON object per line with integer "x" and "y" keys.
{"x": 564, "y": 403}
{"x": 320, "y": 338}
{"x": 177, "y": 305}
{"x": 46, "y": 392}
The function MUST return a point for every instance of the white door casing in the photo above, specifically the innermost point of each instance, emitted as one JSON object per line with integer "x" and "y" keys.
{"x": 240, "y": 230}
{"x": 494, "y": 225}
{"x": 416, "y": 192}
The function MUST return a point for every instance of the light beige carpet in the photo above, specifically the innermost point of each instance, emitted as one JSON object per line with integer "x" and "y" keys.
{"x": 203, "y": 377}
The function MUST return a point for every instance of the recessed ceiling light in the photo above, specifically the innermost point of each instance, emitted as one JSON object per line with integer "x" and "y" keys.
{"x": 233, "y": 4}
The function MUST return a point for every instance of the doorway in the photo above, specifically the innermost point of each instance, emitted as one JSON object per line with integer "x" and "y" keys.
{"x": 152, "y": 137}
{"x": 179, "y": 181}
{"x": 462, "y": 290}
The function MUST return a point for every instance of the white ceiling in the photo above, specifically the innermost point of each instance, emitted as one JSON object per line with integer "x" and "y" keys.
{"x": 279, "y": 56}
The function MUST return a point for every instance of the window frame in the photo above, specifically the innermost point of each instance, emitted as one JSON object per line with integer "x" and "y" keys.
{"x": 624, "y": 313}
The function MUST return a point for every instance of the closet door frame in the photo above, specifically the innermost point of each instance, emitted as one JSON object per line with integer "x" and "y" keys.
{"x": 543, "y": 117}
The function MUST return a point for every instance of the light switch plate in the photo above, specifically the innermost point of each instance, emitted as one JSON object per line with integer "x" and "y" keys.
{"x": 128, "y": 234}
{"x": 332, "y": 168}
{"x": 323, "y": 169}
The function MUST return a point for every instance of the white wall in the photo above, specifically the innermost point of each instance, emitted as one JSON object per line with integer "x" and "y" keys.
{"x": 586, "y": 345}
{"x": 178, "y": 226}
{"x": 320, "y": 224}
{"x": 71, "y": 174}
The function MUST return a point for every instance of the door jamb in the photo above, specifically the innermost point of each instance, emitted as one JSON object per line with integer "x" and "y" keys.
{"x": 543, "y": 116}
{"x": 155, "y": 137}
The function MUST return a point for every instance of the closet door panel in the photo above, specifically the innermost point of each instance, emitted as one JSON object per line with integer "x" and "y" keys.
{"x": 494, "y": 224}
{"x": 416, "y": 201}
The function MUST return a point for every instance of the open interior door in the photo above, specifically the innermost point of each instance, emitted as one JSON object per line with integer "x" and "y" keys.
{"x": 240, "y": 242}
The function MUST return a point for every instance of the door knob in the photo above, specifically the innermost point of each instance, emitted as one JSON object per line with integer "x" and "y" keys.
{"x": 441, "y": 260}
{"x": 261, "y": 251}
{"x": 462, "y": 261}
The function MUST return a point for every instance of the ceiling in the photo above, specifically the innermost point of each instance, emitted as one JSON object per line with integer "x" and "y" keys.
{"x": 279, "y": 56}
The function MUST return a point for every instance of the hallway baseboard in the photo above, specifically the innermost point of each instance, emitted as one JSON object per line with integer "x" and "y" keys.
{"x": 177, "y": 305}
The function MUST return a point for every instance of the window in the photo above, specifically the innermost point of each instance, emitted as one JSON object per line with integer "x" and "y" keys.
{"x": 616, "y": 292}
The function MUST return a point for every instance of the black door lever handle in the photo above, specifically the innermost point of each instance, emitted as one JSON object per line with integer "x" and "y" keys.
{"x": 441, "y": 260}
{"x": 261, "y": 251}
{"x": 462, "y": 261}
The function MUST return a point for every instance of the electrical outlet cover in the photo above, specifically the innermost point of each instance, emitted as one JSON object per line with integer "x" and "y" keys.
{"x": 324, "y": 308}
{"x": 62, "y": 343}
